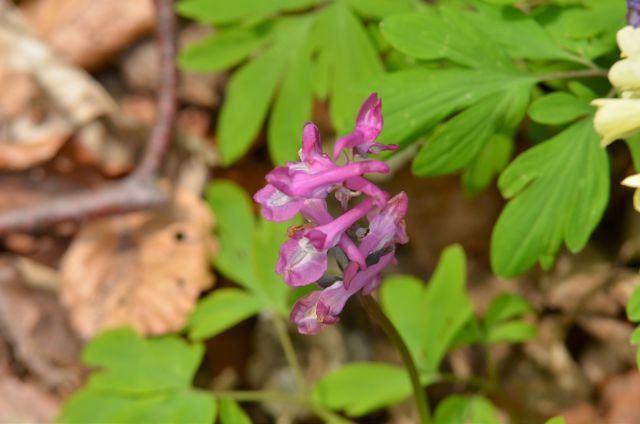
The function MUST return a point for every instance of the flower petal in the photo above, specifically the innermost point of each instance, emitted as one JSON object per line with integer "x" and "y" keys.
{"x": 277, "y": 206}
{"x": 300, "y": 262}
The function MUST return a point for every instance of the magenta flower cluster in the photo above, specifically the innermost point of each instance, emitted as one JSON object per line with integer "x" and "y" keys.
{"x": 362, "y": 252}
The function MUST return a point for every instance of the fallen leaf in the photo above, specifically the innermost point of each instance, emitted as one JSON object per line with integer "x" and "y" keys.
{"x": 86, "y": 32}
{"x": 620, "y": 397}
{"x": 143, "y": 269}
{"x": 35, "y": 326}
{"x": 52, "y": 98}
{"x": 22, "y": 402}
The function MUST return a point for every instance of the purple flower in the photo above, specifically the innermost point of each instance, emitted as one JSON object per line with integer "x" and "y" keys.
{"x": 633, "y": 13}
{"x": 301, "y": 181}
{"x": 361, "y": 253}
{"x": 277, "y": 206}
{"x": 326, "y": 236}
{"x": 386, "y": 229}
{"x": 317, "y": 309}
{"x": 300, "y": 262}
{"x": 362, "y": 139}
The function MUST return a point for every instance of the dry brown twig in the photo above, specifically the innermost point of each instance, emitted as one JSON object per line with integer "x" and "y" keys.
{"x": 138, "y": 191}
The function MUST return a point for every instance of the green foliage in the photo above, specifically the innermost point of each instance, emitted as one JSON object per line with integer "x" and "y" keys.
{"x": 323, "y": 52}
{"x": 221, "y": 309}
{"x": 633, "y": 313}
{"x": 362, "y": 387}
{"x": 429, "y": 317}
{"x": 466, "y": 74}
{"x": 501, "y": 323}
{"x": 558, "y": 108}
{"x": 140, "y": 380}
{"x": 475, "y": 74}
{"x": 558, "y": 190}
{"x": 231, "y": 413}
{"x": 458, "y": 409}
{"x": 249, "y": 252}
{"x": 556, "y": 420}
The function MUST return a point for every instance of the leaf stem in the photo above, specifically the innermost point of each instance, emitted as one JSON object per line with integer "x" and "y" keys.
{"x": 289, "y": 351}
{"x": 422, "y": 404}
{"x": 583, "y": 73}
{"x": 276, "y": 396}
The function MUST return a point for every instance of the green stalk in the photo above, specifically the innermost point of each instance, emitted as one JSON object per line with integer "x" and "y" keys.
{"x": 289, "y": 352}
{"x": 422, "y": 404}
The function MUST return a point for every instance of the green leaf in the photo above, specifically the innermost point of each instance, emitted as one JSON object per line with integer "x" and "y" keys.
{"x": 220, "y": 310}
{"x": 511, "y": 332}
{"x": 131, "y": 365}
{"x": 635, "y": 336}
{"x": 442, "y": 33}
{"x": 140, "y": 381}
{"x": 231, "y": 413}
{"x": 488, "y": 163}
{"x": 225, "y": 11}
{"x": 553, "y": 199}
{"x": 94, "y": 406}
{"x": 352, "y": 58}
{"x": 415, "y": 101}
{"x": 558, "y": 108}
{"x": 556, "y": 420}
{"x": 506, "y": 306}
{"x": 379, "y": 9}
{"x": 520, "y": 35}
{"x": 458, "y": 409}
{"x": 293, "y": 104}
{"x": 362, "y": 387}
{"x": 633, "y": 306}
{"x": 249, "y": 252}
{"x": 457, "y": 142}
{"x": 219, "y": 51}
{"x": 428, "y": 319}
{"x": 249, "y": 93}
{"x": 235, "y": 230}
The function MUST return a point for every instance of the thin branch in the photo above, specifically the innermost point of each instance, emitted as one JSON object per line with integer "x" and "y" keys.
{"x": 138, "y": 191}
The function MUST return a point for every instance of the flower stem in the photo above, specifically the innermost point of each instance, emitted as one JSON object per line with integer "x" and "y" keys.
{"x": 289, "y": 352}
{"x": 275, "y": 396}
{"x": 583, "y": 73}
{"x": 422, "y": 404}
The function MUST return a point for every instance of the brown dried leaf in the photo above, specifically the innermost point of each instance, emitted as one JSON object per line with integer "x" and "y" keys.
{"x": 143, "y": 269}
{"x": 22, "y": 402}
{"x": 35, "y": 325}
{"x": 61, "y": 97}
{"x": 89, "y": 33}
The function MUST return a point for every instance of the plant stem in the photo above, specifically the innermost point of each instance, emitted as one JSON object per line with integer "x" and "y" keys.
{"x": 422, "y": 404}
{"x": 275, "y": 396}
{"x": 289, "y": 352}
{"x": 583, "y": 73}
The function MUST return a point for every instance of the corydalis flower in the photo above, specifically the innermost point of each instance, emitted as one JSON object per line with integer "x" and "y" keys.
{"x": 369, "y": 124}
{"x": 633, "y": 13}
{"x": 362, "y": 252}
{"x": 322, "y": 307}
{"x": 620, "y": 118}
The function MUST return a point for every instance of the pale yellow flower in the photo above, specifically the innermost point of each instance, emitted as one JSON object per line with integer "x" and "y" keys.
{"x": 625, "y": 75}
{"x": 634, "y": 181}
{"x": 629, "y": 41}
{"x": 616, "y": 118}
